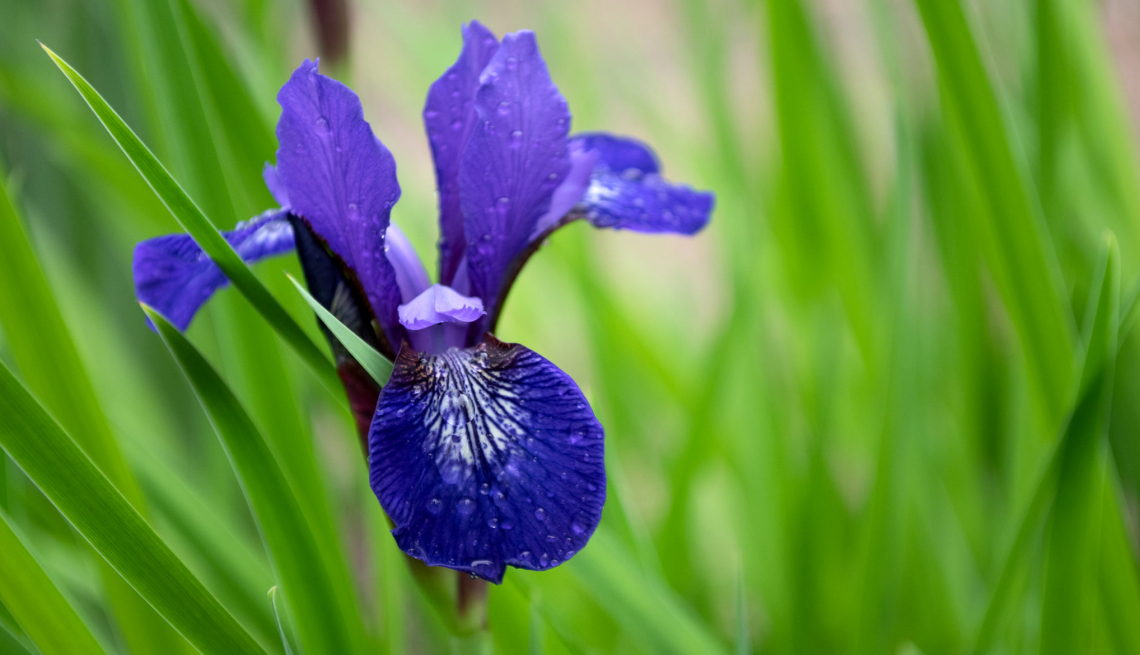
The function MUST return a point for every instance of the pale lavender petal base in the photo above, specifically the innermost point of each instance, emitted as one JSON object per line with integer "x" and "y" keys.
{"x": 439, "y": 304}
{"x": 411, "y": 276}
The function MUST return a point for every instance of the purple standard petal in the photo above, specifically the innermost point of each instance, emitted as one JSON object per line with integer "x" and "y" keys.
{"x": 515, "y": 159}
{"x": 487, "y": 457}
{"x": 449, "y": 115}
{"x": 626, "y": 191}
{"x": 342, "y": 181}
{"x": 439, "y": 304}
{"x": 174, "y": 276}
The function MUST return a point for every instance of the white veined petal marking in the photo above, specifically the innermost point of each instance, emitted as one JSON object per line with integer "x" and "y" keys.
{"x": 477, "y": 422}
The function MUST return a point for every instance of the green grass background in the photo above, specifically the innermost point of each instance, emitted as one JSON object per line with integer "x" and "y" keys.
{"x": 888, "y": 402}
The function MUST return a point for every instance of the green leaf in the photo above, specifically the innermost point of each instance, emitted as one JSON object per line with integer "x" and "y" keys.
{"x": 38, "y": 606}
{"x": 378, "y": 366}
{"x": 1017, "y": 249}
{"x": 191, "y": 218}
{"x": 326, "y": 621}
{"x": 103, "y": 516}
{"x": 643, "y": 606}
{"x": 1071, "y": 568}
{"x": 1069, "y": 480}
{"x": 49, "y": 362}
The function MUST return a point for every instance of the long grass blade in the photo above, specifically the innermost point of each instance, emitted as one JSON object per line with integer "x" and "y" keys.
{"x": 1069, "y": 596}
{"x": 204, "y": 233}
{"x": 102, "y": 515}
{"x": 378, "y": 366}
{"x": 47, "y": 358}
{"x": 326, "y": 622}
{"x": 1017, "y": 249}
{"x": 39, "y": 607}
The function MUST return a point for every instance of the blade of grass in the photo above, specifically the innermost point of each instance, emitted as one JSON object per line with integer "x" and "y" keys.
{"x": 326, "y": 621}
{"x": 1017, "y": 249}
{"x": 38, "y": 606}
{"x": 249, "y": 139}
{"x": 49, "y": 362}
{"x": 191, "y": 218}
{"x": 643, "y": 606}
{"x": 103, "y": 516}
{"x": 1084, "y": 425}
{"x": 1069, "y": 596}
{"x": 376, "y": 364}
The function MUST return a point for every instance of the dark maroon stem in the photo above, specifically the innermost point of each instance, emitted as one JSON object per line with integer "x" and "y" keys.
{"x": 332, "y": 28}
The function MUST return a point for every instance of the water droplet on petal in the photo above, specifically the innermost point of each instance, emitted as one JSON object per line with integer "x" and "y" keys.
{"x": 544, "y": 559}
{"x": 457, "y": 125}
{"x": 504, "y": 108}
{"x": 577, "y": 527}
{"x": 466, "y": 506}
{"x": 485, "y": 489}
{"x": 540, "y": 514}
{"x": 512, "y": 63}
{"x": 431, "y": 113}
{"x": 434, "y": 505}
{"x": 494, "y": 523}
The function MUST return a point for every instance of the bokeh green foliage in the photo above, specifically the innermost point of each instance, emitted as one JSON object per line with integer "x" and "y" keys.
{"x": 887, "y": 402}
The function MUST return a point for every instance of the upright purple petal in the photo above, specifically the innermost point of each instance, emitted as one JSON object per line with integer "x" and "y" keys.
{"x": 342, "y": 181}
{"x": 174, "y": 276}
{"x": 449, "y": 115}
{"x": 487, "y": 457}
{"x": 516, "y": 156}
{"x": 627, "y": 192}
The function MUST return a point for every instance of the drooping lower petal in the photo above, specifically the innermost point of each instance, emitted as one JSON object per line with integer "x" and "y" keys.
{"x": 175, "y": 277}
{"x": 449, "y": 116}
{"x": 516, "y": 157}
{"x": 627, "y": 192}
{"x": 487, "y": 457}
{"x": 342, "y": 180}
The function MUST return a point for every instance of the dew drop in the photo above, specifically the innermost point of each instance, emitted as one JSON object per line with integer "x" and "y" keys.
{"x": 400, "y": 412}
{"x": 512, "y": 63}
{"x": 466, "y": 506}
{"x": 434, "y": 505}
{"x": 592, "y": 487}
{"x": 494, "y": 523}
{"x": 516, "y": 138}
{"x": 504, "y": 108}
{"x": 525, "y": 556}
{"x": 540, "y": 514}
{"x": 577, "y": 528}
{"x": 485, "y": 489}
{"x": 551, "y": 538}
{"x": 431, "y": 113}
{"x": 457, "y": 125}
{"x": 564, "y": 475}
{"x": 544, "y": 559}
{"x": 569, "y": 554}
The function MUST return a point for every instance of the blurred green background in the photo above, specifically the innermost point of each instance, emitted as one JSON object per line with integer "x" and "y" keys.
{"x": 887, "y": 402}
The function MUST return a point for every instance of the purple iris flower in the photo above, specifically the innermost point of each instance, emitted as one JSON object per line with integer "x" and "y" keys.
{"x": 483, "y": 453}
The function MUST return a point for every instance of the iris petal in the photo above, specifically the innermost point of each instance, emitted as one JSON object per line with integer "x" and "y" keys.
{"x": 439, "y": 304}
{"x": 342, "y": 181}
{"x": 174, "y": 276}
{"x": 627, "y": 192}
{"x": 449, "y": 116}
{"x": 487, "y": 457}
{"x": 516, "y": 157}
